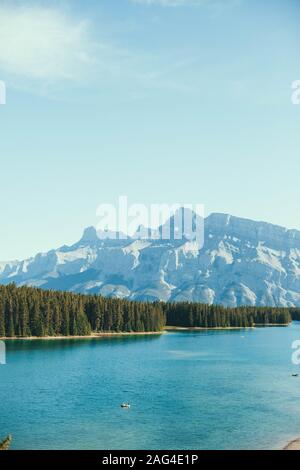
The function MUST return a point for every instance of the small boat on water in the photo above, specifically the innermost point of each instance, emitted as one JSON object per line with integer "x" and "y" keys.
{"x": 125, "y": 405}
{"x": 295, "y": 375}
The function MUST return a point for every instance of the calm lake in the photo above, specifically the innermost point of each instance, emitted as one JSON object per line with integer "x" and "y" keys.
{"x": 188, "y": 390}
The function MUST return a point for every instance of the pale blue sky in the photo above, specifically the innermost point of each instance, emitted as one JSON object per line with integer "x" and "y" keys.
{"x": 163, "y": 101}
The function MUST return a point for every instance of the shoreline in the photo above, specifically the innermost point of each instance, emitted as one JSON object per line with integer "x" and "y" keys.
{"x": 201, "y": 328}
{"x": 91, "y": 336}
{"x": 195, "y": 328}
{"x": 140, "y": 333}
{"x": 293, "y": 445}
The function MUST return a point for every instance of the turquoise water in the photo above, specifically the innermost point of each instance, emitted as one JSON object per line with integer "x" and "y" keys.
{"x": 204, "y": 390}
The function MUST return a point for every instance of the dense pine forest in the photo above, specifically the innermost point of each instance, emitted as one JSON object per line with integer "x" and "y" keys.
{"x": 210, "y": 316}
{"x": 29, "y": 311}
{"x": 295, "y": 313}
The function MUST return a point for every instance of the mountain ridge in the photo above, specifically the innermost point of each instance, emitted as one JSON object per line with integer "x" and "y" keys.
{"x": 242, "y": 262}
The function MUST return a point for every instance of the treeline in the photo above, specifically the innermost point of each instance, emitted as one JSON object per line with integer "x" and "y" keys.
{"x": 211, "y": 316}
{"x": 29, "y": 311}
{"x": 295, "y": 314}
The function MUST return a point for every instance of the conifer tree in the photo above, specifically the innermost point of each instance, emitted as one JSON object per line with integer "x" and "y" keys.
{"x": 2, "y": 321}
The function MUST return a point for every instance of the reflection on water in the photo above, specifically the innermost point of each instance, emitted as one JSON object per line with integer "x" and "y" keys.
{"x": 69, "y": 343}
{"x": 217, "y": 389}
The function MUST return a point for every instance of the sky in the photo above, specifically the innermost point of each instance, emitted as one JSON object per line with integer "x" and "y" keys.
{"x": 164, "y": 101}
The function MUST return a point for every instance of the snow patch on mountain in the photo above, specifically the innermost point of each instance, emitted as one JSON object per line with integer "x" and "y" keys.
{"x": 242, "y": 262}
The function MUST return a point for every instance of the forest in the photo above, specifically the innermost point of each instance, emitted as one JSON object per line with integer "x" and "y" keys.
{"x": 210, "y": 316}
{"x": 30, "y": 311}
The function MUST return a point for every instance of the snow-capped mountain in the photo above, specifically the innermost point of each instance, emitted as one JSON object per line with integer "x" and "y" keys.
{"x": 242, "y": 262}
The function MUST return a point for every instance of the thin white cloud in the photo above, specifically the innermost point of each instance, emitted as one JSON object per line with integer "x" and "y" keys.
{"x": 43, "y": 44}
{"x": 43, "y": 49}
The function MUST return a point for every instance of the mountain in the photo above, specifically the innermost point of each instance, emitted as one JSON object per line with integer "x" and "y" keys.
{"x": 242, "y": 262}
